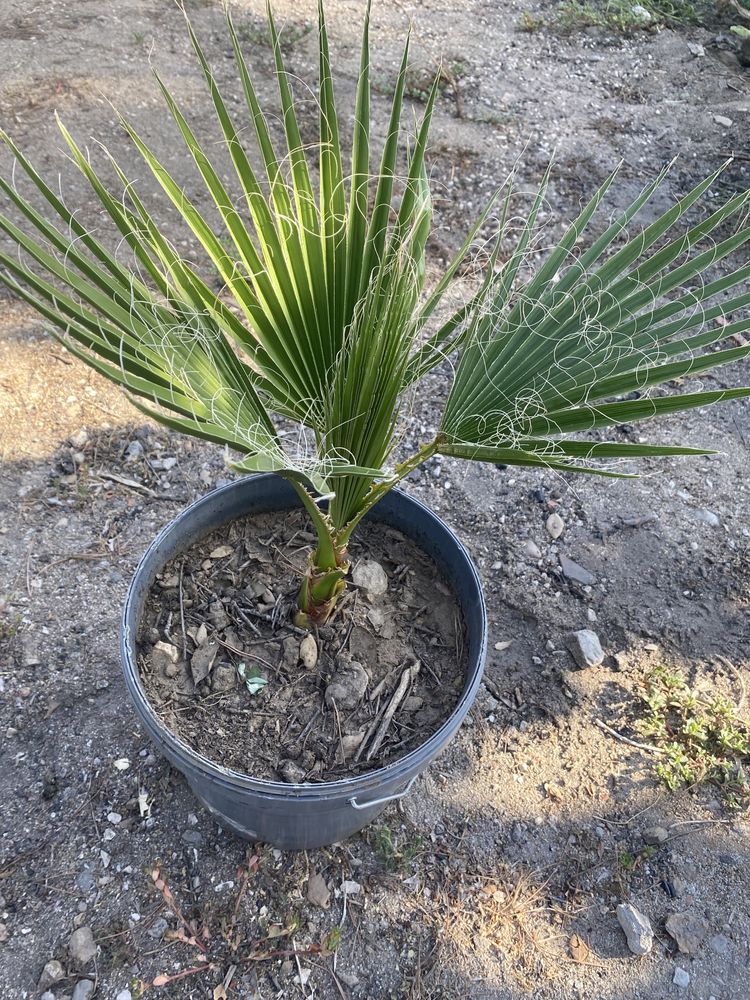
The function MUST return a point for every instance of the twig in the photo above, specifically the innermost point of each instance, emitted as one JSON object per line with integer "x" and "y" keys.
{"x": 624, "y": 739}
{"x": 407, "y": 678}
{"x": 338, "y": 727}
{"x": 130, "y": 483}
{"x": 182, "y": 613}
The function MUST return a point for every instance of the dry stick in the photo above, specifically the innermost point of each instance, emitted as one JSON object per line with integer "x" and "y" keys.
{"x": 338, "y": 727}
{"x": 407, "y": 678}
{"x": 379, "y": 688}
{"x": 624, "y": 739}
{"x": 182, "y": 613}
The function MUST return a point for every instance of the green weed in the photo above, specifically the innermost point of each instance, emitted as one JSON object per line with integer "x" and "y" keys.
{"x": 702, "y": 738}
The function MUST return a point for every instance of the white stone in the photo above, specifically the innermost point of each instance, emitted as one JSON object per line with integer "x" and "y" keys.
{"x": 555, "y": 525}
{"x": 681, "y": 978}
{"x": 370, "y": 575}
{"x": 637, "y": 928}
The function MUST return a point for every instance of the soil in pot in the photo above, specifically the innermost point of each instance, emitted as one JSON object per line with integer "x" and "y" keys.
{"x": 228, "y": 673}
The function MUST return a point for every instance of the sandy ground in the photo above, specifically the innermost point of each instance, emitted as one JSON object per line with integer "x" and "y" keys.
{"x": 515, "y": 845}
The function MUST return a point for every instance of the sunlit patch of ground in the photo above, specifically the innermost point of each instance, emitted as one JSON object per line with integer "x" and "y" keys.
{"x": 46, "y": 394}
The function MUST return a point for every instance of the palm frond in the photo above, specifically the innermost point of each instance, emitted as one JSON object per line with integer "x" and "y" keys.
{"x": 552, "y": 358}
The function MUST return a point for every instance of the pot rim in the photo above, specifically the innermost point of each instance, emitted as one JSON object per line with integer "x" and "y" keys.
{"x": 414, "y": 760}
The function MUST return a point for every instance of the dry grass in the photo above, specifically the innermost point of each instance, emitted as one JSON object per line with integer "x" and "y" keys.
{"x": 497, "y": 927}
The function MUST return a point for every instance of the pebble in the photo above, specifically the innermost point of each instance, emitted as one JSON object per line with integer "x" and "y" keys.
{"x": 586, "y": 648}
{"x": 656, "y": 835}
{"x": 318, "y": 892}
{"x": 688, "y": 929}
{"x": 555, "y": 525}
{"x": 158, "y": 929}
{"x": 192, "y": 837}
{"x": 681, "y": 978}
{"x": 114, "y": 817}
{"x": 719, "y": 944}
{"x": 578, "y": 574}
{"x": 637, "y": 928}
{"x": 51, "y": 973}
{"x": 722, "y": 120}
{"x": 696, "y": 49}
{"x": 83, "y": 990}
{"x": 133, "y": 451}
{"x": 85, "y": 880}
{"x": 348, "y": 684}
{"x": 164, "y": 464}
{"x": 221, "y": 552}
{"x": 370, "y": 575}
{"x": 532, "y": 550}
{"x": 308, "y": 652}
{"x": 47, "y": 995}
{"x": 124, "y": 995}
{"x": 223, "y": 678}
{"x": 79, "y": 439}
{"x": 291, "y": 772}
{"x": 708, "y": 517}
{"x": 82, "y": 947}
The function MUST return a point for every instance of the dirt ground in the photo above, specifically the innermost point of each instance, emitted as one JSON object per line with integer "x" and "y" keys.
{"x": 498, "y": 877}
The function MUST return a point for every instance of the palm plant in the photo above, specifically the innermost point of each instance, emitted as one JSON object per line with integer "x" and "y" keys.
{"x": 322, "y": 315}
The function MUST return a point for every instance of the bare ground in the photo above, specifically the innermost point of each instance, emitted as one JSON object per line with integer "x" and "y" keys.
{"x": 521, "y": 836}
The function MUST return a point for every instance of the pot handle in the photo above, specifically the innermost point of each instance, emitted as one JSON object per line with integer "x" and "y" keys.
{"x": 386, "y": 798}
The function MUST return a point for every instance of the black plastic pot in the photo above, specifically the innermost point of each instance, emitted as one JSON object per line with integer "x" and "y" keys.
{"x": 298, "y": 817}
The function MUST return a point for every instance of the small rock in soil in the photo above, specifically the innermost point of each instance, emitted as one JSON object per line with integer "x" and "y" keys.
{"x": 202, "y": 660}
{"x": 164, "y": 656}
{"x": 708, "y": 517}
{"x": 348, "y": 684}
{"x": 696, "y": 49}
{"x": 291, "y": 772}
{"x": 223, "y": 678}
{"x": 637, "y": 928}
{"x": 83, "y": 990}
{"x": 688, "y": 929}
{"x": 51, "y": 973}
{"x": 532, "y": 550}
{"x": 656, "y": 835}
{"x": 318, "y": 892}
{"x": 350, "y": 744}
{"x": 79, "y": 439}
{"x": 572, "y": 571}
{"x": 82, "y": 947}
{"x": 376, "y": 618}
{"x": 719, "y": 944}
{"x": 681, "y": 978}
{"x": 124, "y": 995}
{"x": 555, "y": 525}
{"x": 370, "y": 575}
{"x": 158, "y": 929}
{"x": 192, "y": 837}
{"x": 723, "y": 121}
{"x": 586, "y": 649}
{"x": 308, "y": 652}
{"x": 85, "y": 880}
{"x": 133, "y": 451}
{"x": 47, "y": 995}
{"x": 221, "y": 552}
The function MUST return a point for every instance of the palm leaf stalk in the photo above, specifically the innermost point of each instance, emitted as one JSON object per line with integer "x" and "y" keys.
{"x": 323, "y": 317}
